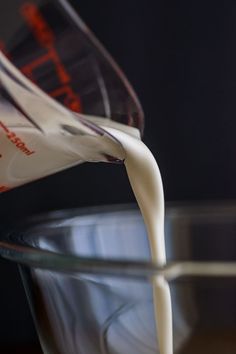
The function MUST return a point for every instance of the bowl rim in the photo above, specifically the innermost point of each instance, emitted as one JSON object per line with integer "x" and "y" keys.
{"x": 30, "y": 256}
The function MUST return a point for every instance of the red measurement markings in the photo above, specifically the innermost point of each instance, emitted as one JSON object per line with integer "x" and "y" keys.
{"x": 20, "y": 145}
{"x": 4, "y": 188}
{"x": 45, "y": 37}
{"x": 39, "y": 26}
{"x": 71, "y": 99}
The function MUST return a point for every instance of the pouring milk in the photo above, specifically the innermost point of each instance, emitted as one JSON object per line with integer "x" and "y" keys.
{"x": 55, "y": 140}
{"x": 145, "y": 180}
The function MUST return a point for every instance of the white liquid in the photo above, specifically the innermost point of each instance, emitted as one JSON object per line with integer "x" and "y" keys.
{"x": 27, "y": 154}
{"x": 54, "y": 151}
{"x": 145, "y": 179}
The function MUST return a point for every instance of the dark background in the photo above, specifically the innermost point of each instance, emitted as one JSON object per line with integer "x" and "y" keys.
{"x": 180, "y": 57}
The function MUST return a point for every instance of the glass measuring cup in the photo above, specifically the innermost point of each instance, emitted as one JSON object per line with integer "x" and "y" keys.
{"x": 56, "y": 79}
{"x": 88, "y": 277}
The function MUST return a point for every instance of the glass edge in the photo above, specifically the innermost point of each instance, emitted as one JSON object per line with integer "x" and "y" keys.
{"x": 120, "y": 268}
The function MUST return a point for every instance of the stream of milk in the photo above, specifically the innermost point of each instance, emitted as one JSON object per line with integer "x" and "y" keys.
{"x": 146, "y": 182}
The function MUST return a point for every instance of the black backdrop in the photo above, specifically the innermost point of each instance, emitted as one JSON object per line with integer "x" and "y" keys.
{"x": 181, "y": 59}
{"x": 180, "y": 56}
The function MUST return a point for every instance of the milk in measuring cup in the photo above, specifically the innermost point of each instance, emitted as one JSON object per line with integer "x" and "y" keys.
{"x": 26, "y": 154}
{"x": 39, "y": 137}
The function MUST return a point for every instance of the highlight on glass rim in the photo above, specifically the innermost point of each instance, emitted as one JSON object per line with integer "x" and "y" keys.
{"x": 113, "y": 254}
